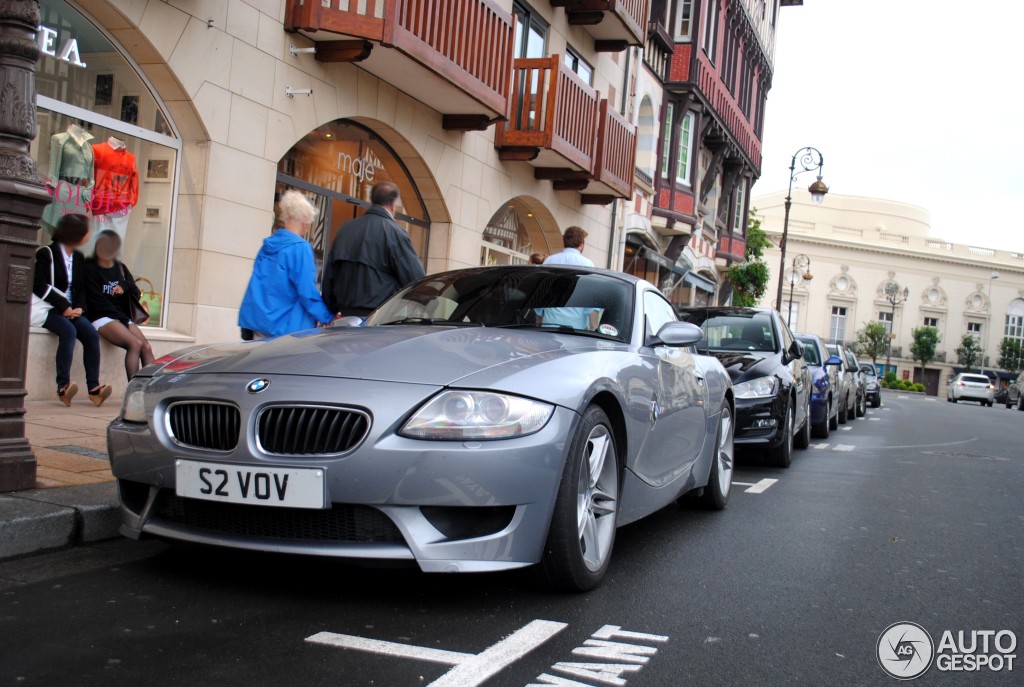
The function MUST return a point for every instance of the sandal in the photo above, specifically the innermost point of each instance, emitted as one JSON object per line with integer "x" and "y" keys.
{"x": 66, "y": 393}
{"x": 100, "y": 394}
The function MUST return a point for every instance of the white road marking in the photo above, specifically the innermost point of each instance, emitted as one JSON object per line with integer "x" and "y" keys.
{"x": 761, "y": 486}
{"x": 947, "y": 443}
{"x": 931, "y": 398}
{"x": 469, "y": 670}
{"x": 843, "y": 447}
{"x": 742, "y": 484}
{"x": 903, "y": 398}
{"x": 820, "y": 446}
{"x": 845, "y": 429}
{"x": 875, "y": 419}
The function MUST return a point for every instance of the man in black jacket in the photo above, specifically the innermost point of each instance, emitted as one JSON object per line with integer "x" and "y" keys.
{"x": 372, "y": 257}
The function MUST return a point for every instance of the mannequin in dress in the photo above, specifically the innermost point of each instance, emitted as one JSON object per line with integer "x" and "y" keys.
{"x": 117, "y": 187}
{"x": 71, "y": 174}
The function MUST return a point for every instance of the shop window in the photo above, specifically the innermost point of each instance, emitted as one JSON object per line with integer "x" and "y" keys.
{"x": 106, "y": 147}
{"x": 336, "y": 165}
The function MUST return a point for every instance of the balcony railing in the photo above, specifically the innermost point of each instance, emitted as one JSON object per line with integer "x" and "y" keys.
{"x": 614, "y": 24}
{"x": 658, "y": 50}
{"x": 615, "y": 164}
{"x": 552, "y": 120}
{"x": 459, "y": 51}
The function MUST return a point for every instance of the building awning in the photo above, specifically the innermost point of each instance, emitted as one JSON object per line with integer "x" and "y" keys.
{"x": 699, "y": 282}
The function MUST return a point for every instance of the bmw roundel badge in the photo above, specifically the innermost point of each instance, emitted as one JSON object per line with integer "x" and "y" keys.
{"x": 257, "y": 385}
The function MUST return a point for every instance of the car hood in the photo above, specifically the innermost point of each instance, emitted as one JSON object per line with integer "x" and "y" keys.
{"x": 412, "y": 354}
{"x": 743, "y": 366}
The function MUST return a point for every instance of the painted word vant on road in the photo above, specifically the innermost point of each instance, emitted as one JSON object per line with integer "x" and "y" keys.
{"x": 621, "y": 654}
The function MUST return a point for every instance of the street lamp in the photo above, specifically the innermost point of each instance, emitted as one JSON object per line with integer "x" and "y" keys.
{"x": 810, "y": 159}
{"x": 892, "y": 294}
{"x": 800, "y": 262}
{"x": 991, "y": 317}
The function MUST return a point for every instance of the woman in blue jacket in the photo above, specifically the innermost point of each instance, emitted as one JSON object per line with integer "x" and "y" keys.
{"x": 282, "y": 296}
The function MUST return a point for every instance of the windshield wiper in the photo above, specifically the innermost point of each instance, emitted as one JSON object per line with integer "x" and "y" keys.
{"x": 434, "y": 322}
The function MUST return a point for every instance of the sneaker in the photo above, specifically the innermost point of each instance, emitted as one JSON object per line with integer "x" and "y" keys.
{"x": 100, "y": 394}
{"x": 67, "y": 393}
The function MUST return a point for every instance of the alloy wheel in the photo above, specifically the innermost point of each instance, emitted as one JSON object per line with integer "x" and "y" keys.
{"x": 725, "y": 452}
{"x": 597, "y": 498}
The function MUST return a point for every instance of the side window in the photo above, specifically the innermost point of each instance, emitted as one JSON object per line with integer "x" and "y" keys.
{"x": 658, "y": 311}
{"x": 785, "y": 334}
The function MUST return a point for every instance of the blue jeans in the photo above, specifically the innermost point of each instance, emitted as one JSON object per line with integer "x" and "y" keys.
{"x": 67, "y": 331}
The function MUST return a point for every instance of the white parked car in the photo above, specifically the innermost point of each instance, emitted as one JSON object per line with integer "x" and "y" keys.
{"x": 971, "y": 387}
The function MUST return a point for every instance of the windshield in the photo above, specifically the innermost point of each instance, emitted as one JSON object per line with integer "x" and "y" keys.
{"x": 811, "y": 354}
{"x": 868, "y": 370}
{"x": 734, "y": 331}
{"x": 553, "y": 298}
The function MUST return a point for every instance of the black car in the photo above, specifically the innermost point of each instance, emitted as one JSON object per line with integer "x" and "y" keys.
{"x": 771, "y": 382}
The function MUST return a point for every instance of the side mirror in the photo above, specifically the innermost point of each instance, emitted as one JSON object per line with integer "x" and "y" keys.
{"x": 676, "y": 334}
{"x": 794, "y": 352}
{"x": 834, "y": 360}
{"x": 349, "y": 321}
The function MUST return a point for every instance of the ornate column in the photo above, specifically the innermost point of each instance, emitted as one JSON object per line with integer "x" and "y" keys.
{"x": 22, "y": 199}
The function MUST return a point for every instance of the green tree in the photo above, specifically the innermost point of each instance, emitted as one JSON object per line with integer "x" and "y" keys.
{"x": 1011, "y": 355}
{"x": 968, "y": 352}
{"x": 749, "y": 279}
{"x": 872, "y": 341}
{"x": 923, "y": 346}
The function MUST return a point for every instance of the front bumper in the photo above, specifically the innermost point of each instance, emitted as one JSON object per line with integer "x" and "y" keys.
{"x": 759, "y": 421}
{"x": 449, "y": 506}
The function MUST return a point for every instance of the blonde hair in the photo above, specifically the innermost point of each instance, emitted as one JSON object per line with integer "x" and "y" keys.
{"x": 295, "y": 206}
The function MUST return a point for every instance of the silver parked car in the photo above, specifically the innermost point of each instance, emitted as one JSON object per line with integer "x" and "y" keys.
{"x": 971, "y": 387}
{"x": 483, "y": 419}
{"x": 846, "y": 389}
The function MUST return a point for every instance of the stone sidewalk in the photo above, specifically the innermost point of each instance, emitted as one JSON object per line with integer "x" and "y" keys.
{"x": 70, "y": 443}
{"x": 75, "y": 500}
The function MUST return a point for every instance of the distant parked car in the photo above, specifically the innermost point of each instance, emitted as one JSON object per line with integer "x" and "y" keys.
{"x": 824, "y": 378}
{"x": 771, "y": 383}
{"x": 1001, "y": 396}
{"x": 971, "y": 387}
{"x": 861, "y": 406}
{"x": 1013, "y": 393}
{"x": 872, "y": 385}
{"x": 847, "y": 388}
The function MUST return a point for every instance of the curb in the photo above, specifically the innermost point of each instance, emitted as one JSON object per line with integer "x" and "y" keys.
{"x": 40, "y": 520}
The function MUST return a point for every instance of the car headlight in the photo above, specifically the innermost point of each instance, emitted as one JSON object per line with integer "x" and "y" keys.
{"x": 762, "y": 387}
{"x": 455, "y": 415}
{"x": 133, "y": 409}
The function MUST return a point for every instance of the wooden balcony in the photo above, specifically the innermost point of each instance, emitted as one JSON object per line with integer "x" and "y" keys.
{"x": 614, "y": 24}
{"x": 453, "y": 55}
{"x": 615, "y": 161}
{"x": 552, "y": 122}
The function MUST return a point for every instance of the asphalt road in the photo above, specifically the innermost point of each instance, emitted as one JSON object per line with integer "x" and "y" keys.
{"x": 915, "y": 513}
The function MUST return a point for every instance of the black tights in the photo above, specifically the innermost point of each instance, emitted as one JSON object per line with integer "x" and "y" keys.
{"x": 133, "y": 341}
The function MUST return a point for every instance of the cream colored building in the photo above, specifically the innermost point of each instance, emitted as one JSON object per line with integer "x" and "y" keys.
{"x": 221, "y": 108}
{"x": 857, "y": 246}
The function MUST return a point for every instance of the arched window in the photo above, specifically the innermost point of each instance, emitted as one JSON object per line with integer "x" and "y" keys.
{"x": 646, "y": 141}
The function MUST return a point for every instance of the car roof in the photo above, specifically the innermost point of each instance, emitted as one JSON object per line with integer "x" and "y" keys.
{"x": 573, "y": 269}
{"x": 717, "y": 310}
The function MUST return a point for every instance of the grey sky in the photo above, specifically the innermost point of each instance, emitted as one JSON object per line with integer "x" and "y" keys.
{"x": 913, "y": 100}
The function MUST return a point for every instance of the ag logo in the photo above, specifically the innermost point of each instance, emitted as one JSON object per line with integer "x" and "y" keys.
{"x": 905, "y": 650}
{"x": 257, "y": 385}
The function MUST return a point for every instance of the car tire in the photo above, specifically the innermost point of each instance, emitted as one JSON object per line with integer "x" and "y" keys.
{"x": 862, "y": 407}
{"x": 821, "y": 430}
{"x": 842, "y": 413}
{"x": 833, "y": 422}
{"x": 803, "y": 437}
{"x": 782, "y": 456}
{"x": 851, "y": 411}
{"x": 716, "y": 493}
{"x": 952, "y": 400}
{"x": 585, "y": 509}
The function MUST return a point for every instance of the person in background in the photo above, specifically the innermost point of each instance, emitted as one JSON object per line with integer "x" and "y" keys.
{"x": 282, "y": 296}
{"x": 372, "y": 257}
{"x": 65, "y": 293}
{"x": 110, "y": 293}
{"x": 574, "y": 239}
{"x": 537, "y": 259}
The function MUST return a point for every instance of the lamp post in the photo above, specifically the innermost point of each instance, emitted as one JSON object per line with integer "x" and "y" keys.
{"x": 800, "y": 262}
{"x": 810, "y": 159}
{"x": 892, "y": 294}
{"x": 991, "y": 318}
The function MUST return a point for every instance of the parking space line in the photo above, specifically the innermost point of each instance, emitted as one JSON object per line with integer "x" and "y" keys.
{"x": 843, "y": 447}
{"x": 845, "y": 429}
{"x": 761, "y": 486}
{"x": 903, "y": 398}
{"x": 820, "y": 446}
{"x": 742, "y": 484}
{"x": 874, "y": 419}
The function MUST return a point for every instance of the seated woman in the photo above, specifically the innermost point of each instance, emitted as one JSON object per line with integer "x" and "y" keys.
{"x": 59, "y": 283}
{"x": 110, "y": 291}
